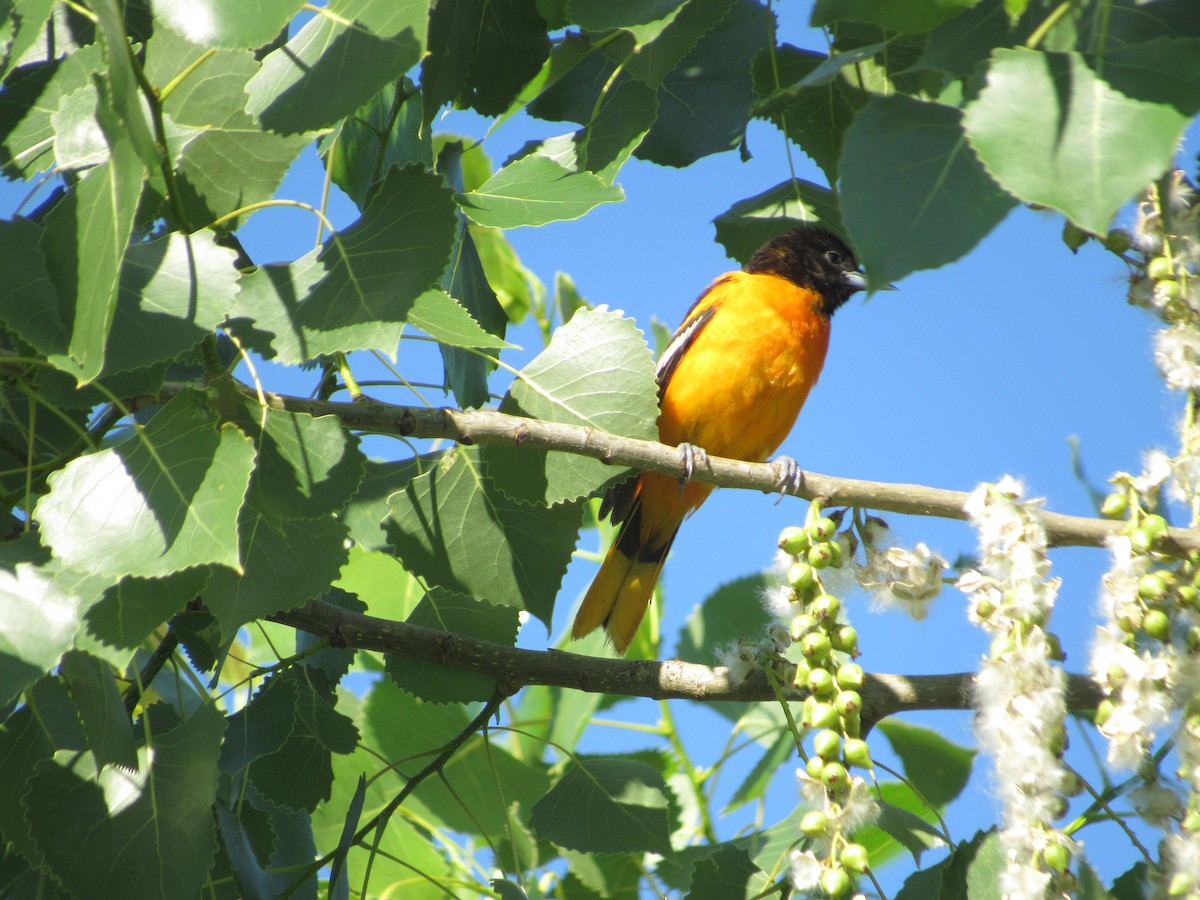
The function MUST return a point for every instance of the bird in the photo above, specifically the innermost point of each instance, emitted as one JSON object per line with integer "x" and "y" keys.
{"x": 731, "y": 382}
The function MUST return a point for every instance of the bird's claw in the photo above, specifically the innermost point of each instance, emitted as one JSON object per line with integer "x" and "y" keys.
{"x": 692, "y": 457}
{"x": 788, "y": 475}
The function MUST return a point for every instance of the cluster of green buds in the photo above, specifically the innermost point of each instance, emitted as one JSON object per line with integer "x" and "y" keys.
{"x": 832, "y": 709}
{"x": 1169, "y": 586}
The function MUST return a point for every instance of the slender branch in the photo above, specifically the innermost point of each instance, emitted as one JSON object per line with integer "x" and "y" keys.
{"x": 491, "y": 427}
{"x": 514, "y": 668}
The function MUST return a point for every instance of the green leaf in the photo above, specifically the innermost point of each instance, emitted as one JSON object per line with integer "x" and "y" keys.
{"x": 413, "y": 865}
{"x": 535, "y": 190}
{"x": 910, "y": 830}
{"x": 355, "y": 146}
{"x": 938, "y": 768}
{"x": 173, "y": 292}
{"x": 727, "y": 872}
{"x": 84, "y": 244}
{"x": 602, "y": 15}
{"x": 704, "y": 102}
{"x": 466, "y": 370}
{"x": 1052, "y": 132}
{"x": 227, "y": 23}
{"x": 481, "y": 53}
{"x": 734, "y": 610}
{"x": 39, "y": 618}
{"x": 984, "y": 869}
{"x": 229, "y": 162}
{"x": 1160, "y": 71}
{"x": 447, "y": 611}
{"x": 28, "y": 103}
{"x": 596, "y": 373}
{"x": 1090, "y": 885}
{"x": 910, "y": 16}
{"x": 405, "y": 728}
{"x": 31, "y": 307}
{"x": 133, "y": 608}
{"x": 98, "y": 701}
{"x": 297, "y": 773}
{"x": 132, "y": 835}
{"x": 659, "y": 47}
{"x": 1130, "y": 885}
{"x": 27, "y": 28}
{"x": 126, "y": 95}
{"x": 455, "y": 528}
{"x": 161, "y": 501}
{"x": 923, "y": 883}
{"x": 606, "y": 805}
{"x": 759, "y": 778}
{"x": 285, "y": 564}
{"x": 940, "y": 201}
{"x": 307, "y": 467}
{"x": 814, "y": 117}
{"x": 337, "y": 62}
{"x": 750, "y": 223}
{"x": 366, "y": 284}
{"x": 78, "y": 139}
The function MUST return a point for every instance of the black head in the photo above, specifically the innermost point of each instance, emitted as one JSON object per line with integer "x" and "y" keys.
{"x": 812, "y": 258}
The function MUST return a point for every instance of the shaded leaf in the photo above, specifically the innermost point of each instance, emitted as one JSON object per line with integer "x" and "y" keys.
{"x": 227, "y": 23}
{"x": 596, "y": 373}
{"x": 725, "y": 873}
{"x": 97, "y": 699}
{"x": 704, "y": 102}
{"x": 938, "y": 768}
{"x": 750, "y": 223}
{"x": 941, "y": 202}
{"x": 84, "y": 244}
{"x": 161, "y": 501}
{"x": 159, "y": 828}
{"x": 910, "y": 16}
{"x": 536, "y": 190}
{"x": 1085, "y": 152}
{"x": 337, "y": 62}
{"x": 454, "y": 527}
{"x": 230, "y": 161}
{"x": 447, "y": 611}
{"x": 481, "y": 53}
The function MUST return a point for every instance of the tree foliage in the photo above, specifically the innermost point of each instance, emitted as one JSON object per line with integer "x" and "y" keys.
{"x": 161, "y": 736}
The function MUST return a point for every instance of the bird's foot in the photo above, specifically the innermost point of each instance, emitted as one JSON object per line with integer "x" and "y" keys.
{"x": 788, "y": 475}
{"x": 692, "y": 457}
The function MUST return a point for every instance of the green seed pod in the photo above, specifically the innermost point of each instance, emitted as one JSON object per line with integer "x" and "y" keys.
{"x": 814, "y": 767}
{"x": 855, "y": 858}
{"x": 1160, "y": 268}
{"x": 814, "y": 823}
{"x": 835, "y": 882}
{"x": 827, "y": 744}
{"x": 815, "y": 646}
{"x": 1104, "y": 711}
{"x": 825, "y": 606}
{"x": 851, "y": 725}
{"x": 801, "y": 576}
{"x": 845, "y": 638}
{"x": 820, "y": 682}
{"x": 1115, "y": 506}
{"x": 1056, "y": 857}
{"x": 820, "y": 555}
{"x": 848, "y": 703}
{"x": 1152, "y": 586}
{"x": 1141, "y": 540}
{"x": 1157, "y": 624}
{"x": 850, "y": 677}
{"x": 793, "y": 539}
{"x": 1117, "y": 240}
{"x": 822, "y": 529}
{"x": 835, "y": 776}
{"x": 825, "y": 715}
{"x": 857, "y": 753}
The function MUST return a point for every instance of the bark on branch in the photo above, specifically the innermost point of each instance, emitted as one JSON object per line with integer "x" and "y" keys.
{"x": 491, "y": 427}
{"x": 514, "y": 668}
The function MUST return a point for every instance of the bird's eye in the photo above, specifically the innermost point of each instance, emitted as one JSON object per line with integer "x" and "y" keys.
{"x": 833, "y": 257}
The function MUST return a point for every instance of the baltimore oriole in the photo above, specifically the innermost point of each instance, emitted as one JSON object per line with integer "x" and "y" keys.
{"x": 731, "y": 382}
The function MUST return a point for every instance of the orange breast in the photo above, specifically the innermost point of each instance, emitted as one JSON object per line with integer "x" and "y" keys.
{"x": 739, "y": 387}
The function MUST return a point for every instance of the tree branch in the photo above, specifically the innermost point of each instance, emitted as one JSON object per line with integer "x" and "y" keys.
{"x": 514, "y": 668}
{"x": 491, "y": 427}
